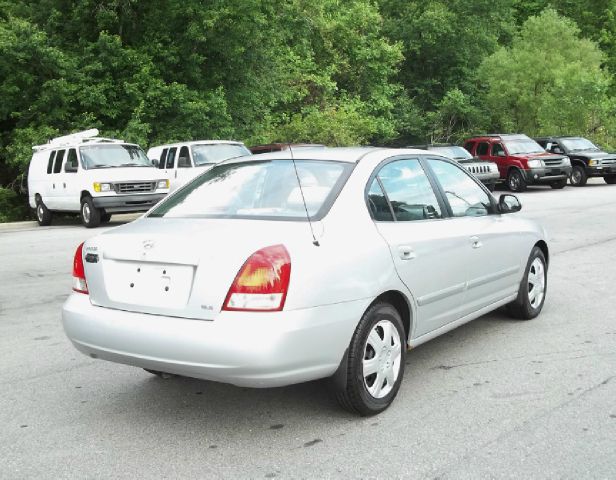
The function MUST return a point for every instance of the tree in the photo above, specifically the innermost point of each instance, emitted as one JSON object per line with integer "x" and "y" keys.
{"x": 549, "y": 81}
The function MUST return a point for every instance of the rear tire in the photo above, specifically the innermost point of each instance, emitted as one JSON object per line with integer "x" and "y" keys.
{"x": 515, "y": 181}
{"x": 578, "y": 176}
{"x": 531, "y": 295}
{"x": 90, "y": 215}
{"x": 43, "y": 215}
{"x": 374, "y": 365}
{"x": 610, "y": 180}
{"x": 559, "y": 184}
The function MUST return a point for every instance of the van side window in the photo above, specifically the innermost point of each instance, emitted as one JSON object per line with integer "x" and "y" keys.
{"x": 72, "y": 165}
{"x": 162, "y": 159}
{"x": 171, "y": 157}
{"x": 57, "y": 167}
{"x": 184, "y": 158}
{"x": 52, "y": 155}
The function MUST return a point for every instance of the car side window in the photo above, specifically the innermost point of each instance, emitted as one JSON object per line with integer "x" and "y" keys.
{"x": 482, "y": 148}
{"x": 52, "y": 156}
{"x": 498, "y": 150}
{"x": 379, "y": 206}
{"x": 171, "y": 157}
{"x": 465, "y": 197}
{"x": 57, "y": 166}
{"x": 409, "y": 191}
{"x": 469, "y": 146}
{"x": 184, "y": 158}
{"x": 72, "y": 165}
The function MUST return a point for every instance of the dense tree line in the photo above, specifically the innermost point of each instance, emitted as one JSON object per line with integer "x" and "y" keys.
{"x": 330, "y": 71}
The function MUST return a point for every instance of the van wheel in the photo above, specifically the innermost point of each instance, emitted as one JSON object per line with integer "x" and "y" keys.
{"x": 43, "y": 215}
{"x": 515, "y": 181}
{"x": 578, "y": 176}
{"x": 531, "y": 295}
{"x": 105, "y": 217}
{"x": 374, "y": 365}
{"x": 90, "y": 215}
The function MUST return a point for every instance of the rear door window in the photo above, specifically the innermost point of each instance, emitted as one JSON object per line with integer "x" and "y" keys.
{"x": 408, "y": 191}
{"x": 52, "y": 156}
{"x": 482, "y": 148}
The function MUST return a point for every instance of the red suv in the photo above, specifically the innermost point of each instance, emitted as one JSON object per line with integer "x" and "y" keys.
{"x": 521, "y": 161}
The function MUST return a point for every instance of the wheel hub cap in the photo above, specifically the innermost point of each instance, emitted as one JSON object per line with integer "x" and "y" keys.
{"x": 86, "y": 212}
{"x": 536, "y": 283}
{"x": 381, "y": 361}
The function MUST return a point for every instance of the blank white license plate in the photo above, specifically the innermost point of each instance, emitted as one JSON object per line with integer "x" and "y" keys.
{"x": 148, "y": 284}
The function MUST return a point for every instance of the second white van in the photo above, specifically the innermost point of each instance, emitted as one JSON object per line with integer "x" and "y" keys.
{"x": 183, "y": 161}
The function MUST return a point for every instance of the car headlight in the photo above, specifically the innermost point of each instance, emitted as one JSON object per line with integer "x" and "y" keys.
{"x": 162, "y": 184}
{"x": 594, "y": 162}
{"x": 493, "y": 168}
{"x": 567, "y": 162}
{"x": 102, "y": 187}
{"x": 534, "y": 163}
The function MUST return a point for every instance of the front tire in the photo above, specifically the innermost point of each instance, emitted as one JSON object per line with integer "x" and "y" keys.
{"x": 610, "y": 180}
{"x": 105, "y": 217}
{"x": 557, "y": 185}
{"x": 515, "y": 181}
{"x": 531, "y": 295}
{"x": 90, "y": 215}
{"x": 578, "y": 176}
{"x": 374, "y": 363}
{"x": 43, "y": 214}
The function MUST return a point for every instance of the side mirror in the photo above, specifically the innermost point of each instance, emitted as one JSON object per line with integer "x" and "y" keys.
{"x": 557, "y": 150}
{"x": 155, "y": 162}
{"x": 500, "y": 153}
{"x": 68, "y": 168}
{"x": 508, "y": 203}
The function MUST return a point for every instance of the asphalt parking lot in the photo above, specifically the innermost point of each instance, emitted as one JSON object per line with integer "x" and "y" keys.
{"x": 495, "y": 398}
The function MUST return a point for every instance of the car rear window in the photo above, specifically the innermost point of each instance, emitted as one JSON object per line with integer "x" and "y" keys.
{"x": 260, "y": 189}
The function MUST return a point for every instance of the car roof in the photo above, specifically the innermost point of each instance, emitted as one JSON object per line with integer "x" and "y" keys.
{"x": 334, "y": 154}
{"x": 199, "y": 142}
{"x": 503, "y": 136}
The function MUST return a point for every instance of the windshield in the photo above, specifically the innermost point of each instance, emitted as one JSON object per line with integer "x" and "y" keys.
{"x": 515, "y": 147}
{"x": 114, "y": 155}
{"x": 455, "y": 153}
{"x": 215, "y": 153}
{"x": 579, "y": 144}
{"x": 259, "y": 189}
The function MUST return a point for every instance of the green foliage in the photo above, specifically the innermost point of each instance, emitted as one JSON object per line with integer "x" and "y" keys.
{"x": 549, "y": 81}
{"x": 13, "y": 207}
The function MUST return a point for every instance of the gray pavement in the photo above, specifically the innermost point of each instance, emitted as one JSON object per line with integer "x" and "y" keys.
{"x": 495, "y": 398}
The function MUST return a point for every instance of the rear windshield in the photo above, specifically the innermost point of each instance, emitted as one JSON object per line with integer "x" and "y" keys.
{"x": 259, "y": 189}
{"x": 113, "y": 155}
{"x": 208, "y": 153}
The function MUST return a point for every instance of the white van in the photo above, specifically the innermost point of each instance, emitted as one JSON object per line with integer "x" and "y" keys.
{"x": 183, "y": 161}
{"x": 93, "y": 176}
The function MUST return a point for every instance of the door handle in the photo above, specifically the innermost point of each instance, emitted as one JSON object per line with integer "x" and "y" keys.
{"x": 176, "y": 174}
{"x": 475, "y": 242}
{"x": 64, "y": 185}
{"x": 406, "y": 252}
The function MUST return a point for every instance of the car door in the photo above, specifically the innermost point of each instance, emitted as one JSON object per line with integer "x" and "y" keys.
{"x": 498, "y": 155}
{"x": 429, "y": 257}
{"x": 71, "y": 187}
{"x": 54, "y": 194}
{"x": 184, "y": 170}
{"x": 491, "y": 260}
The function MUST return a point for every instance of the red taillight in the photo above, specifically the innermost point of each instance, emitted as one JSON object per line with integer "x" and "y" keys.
{"x": 79, "y": 276}
{"x": 262, "y": 283}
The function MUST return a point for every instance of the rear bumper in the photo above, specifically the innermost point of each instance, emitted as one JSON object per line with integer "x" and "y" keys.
{"x": 546, "y": 174}
{"x": 128, "y": 203}
{"x": 242, "y": 348}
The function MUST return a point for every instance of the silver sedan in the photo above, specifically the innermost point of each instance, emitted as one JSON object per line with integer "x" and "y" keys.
{"x": 272, "y": 270}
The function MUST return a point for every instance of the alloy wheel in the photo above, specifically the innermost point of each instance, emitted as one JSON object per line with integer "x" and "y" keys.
{"x": 381, "y": 360}
{"x": 39, "y": 212}
{"x": 85, "y": 211}
{"x": 536, "y": 283}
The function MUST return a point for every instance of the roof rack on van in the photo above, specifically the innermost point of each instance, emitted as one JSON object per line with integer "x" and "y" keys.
{"x": 78, "y": 137}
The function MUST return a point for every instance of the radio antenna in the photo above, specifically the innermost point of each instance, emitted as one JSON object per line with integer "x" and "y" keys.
{"x": 315, "y": 242}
